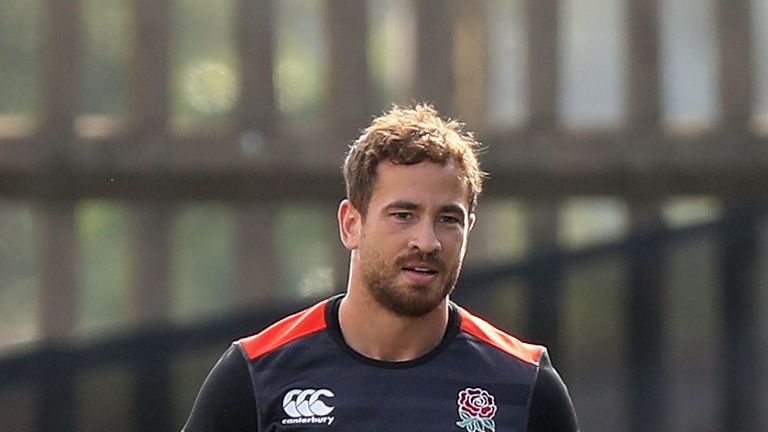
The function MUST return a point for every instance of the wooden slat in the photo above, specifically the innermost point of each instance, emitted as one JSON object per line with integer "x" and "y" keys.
{"x": 152, "y": 250}
{"x": 256, "y": 268}
{"x": 735, "y": 62}
{"x": 58, "y": 314}
{"x": 149, "y": 117}
{"x": 645, "y": 322}
{"x": 150, "y": 84}
{"x": 59, "y": 299}
{"x": 740, "y": 354}
{"x": 350, "y": 90}
{"x": 523, "y": 165}
{"x": 472, "y": 63}
{"x": 152, "y": 300}
{"x": 152, "y": 396}
{"x": 644, "y": 73}
{"x": 59, "y": 262}
{"x": 435, "y": 80}
{"x": 645, "y": 265}
{"x": 545, "y": 283}
{"x": 255, "y": 44}
{"x": 60, "y": 78}
{"x": 577, "y": 151}
{"x": 543, "y": 63}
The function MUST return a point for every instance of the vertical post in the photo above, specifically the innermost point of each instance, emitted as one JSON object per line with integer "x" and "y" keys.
{"x": 151, "y": 71}
{"x": 435, "y": 81}
{"x": 349, "y": 87}
{"x": 256, "y": 270}
{"x": 643, "y": 69}
{"x": 56, "y": 408}
{"x": 645, "y": 307}
{"x": 255, "y": 39}
{"x": 351, "y": 95}
{"x": 58, "y": 311}
{"x": 735, "y": 63}
{"x": 61, "y": 69}
{"x": 543, "y": 64}
{"x": 471, "y": 62}
{"x": 152, "y": 252}
{"x": 645, "y": 300}
{"x": 152, "y": 306}
{"x": 739, "y": 352}
{"x": 740, "y": 340}
{"x": 545, "y": 284}
{"x": 149, "y": 122}
{"x": 60, "y": 249}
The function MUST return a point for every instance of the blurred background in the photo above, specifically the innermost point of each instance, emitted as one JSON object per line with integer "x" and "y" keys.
{"x": 169, "y": 176}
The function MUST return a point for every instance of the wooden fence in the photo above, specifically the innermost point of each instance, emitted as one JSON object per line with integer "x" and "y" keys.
{"x": 146, "y": 162}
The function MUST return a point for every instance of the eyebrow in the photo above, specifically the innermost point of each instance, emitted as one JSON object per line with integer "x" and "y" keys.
{"x": 453, "y": 208}
{"x": 409, "y": 205}
{"x": 402, "y": 205}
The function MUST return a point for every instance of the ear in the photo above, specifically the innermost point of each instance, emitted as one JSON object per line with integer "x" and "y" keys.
{"x": 349, "y": 224}
{"x": 471, "y": 222}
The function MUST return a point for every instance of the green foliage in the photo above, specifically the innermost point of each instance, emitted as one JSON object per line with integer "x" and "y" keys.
{"x": 390, "y": 51}
{"x": 105, "y": 271}
{"x": 204, "y": 64}
{"x": 20, "y": 38}
{"x": 593, "y": 321}
{"x": 19, "y": 275}
{"x": 304, "y": 236}
{"x": 205, "y": 79}
{"x": 107, "y": 36}
{"x": 203, "y": 276}
{"x": 300, "y": 59}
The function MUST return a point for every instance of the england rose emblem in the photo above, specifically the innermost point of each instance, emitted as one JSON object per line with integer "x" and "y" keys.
{"x": 476, "y": 410}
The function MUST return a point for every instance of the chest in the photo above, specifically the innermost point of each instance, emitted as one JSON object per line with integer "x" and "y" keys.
{"x": 358, "y": 397}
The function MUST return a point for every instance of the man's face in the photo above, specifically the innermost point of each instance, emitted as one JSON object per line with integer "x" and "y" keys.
{"x": 412, "y": 241}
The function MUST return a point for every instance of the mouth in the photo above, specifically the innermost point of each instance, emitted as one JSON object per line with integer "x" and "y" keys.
{"x": 420, "y": 270}
{"x": 420, "y": 274}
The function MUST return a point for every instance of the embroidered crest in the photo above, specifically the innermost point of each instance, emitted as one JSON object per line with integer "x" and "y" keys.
{"x": 476, "y": 410}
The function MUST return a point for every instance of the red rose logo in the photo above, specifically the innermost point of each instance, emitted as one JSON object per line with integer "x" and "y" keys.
{"x": 476, "y": 409}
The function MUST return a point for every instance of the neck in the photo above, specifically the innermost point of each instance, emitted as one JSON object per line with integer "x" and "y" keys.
{"x": 380, "y": 334}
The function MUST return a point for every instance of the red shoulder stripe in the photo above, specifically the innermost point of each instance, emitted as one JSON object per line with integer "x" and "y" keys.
{"x": 286, "y": 330}
{"x": 484, "y": 331}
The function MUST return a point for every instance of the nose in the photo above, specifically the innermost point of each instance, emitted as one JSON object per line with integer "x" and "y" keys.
{"x": 424, "y": 238}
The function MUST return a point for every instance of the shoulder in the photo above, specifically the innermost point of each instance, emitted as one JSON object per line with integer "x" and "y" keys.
{"x": 551, "y": 405}
{"x": 489, "y": 334}
{"x": 288, "y": 329}
{"x": 225, "y": 400}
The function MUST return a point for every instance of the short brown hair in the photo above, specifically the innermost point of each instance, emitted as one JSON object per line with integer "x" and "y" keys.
{"x": 408, "y": 136}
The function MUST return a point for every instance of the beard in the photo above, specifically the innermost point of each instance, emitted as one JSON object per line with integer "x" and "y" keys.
{"x": 404, "y": 299}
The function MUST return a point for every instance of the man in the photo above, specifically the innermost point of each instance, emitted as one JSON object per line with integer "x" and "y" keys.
{"x": 393, "y": 353}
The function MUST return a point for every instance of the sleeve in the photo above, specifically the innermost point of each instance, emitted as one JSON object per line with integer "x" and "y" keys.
{"x": 225, "y": 402}
{"x": 551, "y": 406}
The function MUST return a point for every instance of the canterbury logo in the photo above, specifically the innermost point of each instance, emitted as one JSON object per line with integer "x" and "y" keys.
{"x": 305, "y": 406}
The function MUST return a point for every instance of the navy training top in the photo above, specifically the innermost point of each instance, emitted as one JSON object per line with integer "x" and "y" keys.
{"x": 300, "y": 375}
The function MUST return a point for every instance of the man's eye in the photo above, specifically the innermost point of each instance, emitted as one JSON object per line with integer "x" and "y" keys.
{"x": 402, "y": 215}
{"x": 451, "y": 220}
